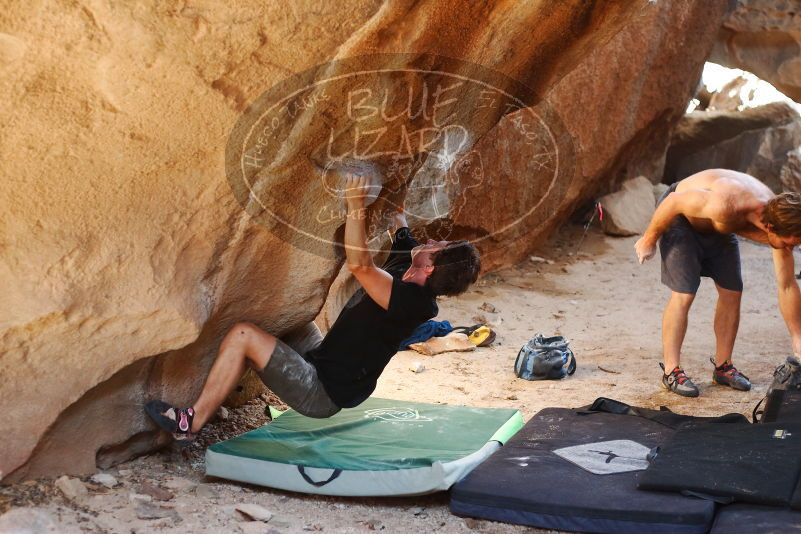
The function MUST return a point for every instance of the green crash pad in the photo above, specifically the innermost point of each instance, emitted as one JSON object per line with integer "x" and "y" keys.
{"x": 382, "y": 447}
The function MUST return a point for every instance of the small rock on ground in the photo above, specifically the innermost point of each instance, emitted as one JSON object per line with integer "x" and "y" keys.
{"x": 488, "y": 307}
{"x": 254, "y": 527}
{"x": 179, "y": 484}
{"x": 149, "y": 510}
{"x": 104, "y": 479}
{"x": 72, "y": 488}
{"x": 205, "y": 491}
{"x": 158, "y": 493}
{"x": 139, "y": 497}
{"x": 254, "y": 511}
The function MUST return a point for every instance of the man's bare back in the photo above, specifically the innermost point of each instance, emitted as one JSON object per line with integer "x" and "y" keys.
{"x": 716, "y": 200}
{"x": 734, "y": 201}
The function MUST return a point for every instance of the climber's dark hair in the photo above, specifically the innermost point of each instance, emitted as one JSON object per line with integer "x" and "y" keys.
{"x": 455, "y": 267}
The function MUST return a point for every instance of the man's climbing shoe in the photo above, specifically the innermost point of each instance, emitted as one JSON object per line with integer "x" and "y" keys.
{"x": 483, "y": 336}
{"x": 728, "y": 375}
{"x": 479, "y": 335}
{"x": 176, "y": 421}
{"x": 678, "y": 382}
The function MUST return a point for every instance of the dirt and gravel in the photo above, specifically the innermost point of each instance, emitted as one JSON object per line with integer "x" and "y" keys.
{"x": 598, "y": 297}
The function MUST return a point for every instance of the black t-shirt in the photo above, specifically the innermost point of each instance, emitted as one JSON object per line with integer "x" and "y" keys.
{"x": 365, "y": 336}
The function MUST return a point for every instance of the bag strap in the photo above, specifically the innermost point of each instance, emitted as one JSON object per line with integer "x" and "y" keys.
{"x": 320, "y": 483}
{"x": 606, "y": 405}
{"x": 467, "y": 330}
{"x": 571, "y": 367}
{"x": 756, "y": 415}
{"x": 664, "y": 416}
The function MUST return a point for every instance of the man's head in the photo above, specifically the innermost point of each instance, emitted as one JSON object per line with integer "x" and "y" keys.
{"x": 445, "y": 267}
{"x": 782, "y": 218}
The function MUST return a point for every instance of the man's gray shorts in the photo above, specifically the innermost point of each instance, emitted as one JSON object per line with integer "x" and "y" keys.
{"x": 688, "y": 254}
{"x": 290, "y": 376}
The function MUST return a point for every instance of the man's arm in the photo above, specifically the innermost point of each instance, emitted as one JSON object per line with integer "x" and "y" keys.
{"x": 693, "y": 203}
{"x": 397, "y": 222}
{"x": 789, "y": 294}
{"x": 376, "y": 282}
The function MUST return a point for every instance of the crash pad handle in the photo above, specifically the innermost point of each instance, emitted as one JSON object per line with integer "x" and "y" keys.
{"x": 321, "y": 483}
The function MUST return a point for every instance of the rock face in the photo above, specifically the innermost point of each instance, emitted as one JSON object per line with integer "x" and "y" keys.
{"x": 728, "y": 98}
{"x": 628, "y": 211}
{"x": 755, "y": 141}
{"x": 790, "y": 175}
{"x": 126, "y": 257}
{"x": 127, "y": 254}
{"x": 764, "y": 37}
{"x": 618, "y": 106}
{"x": 618, "y": 127}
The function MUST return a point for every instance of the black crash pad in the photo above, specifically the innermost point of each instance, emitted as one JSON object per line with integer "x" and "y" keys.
{"x": 526, "y": 483}
{"x": 757, "y": 464}
{"x": 749, "y": 518}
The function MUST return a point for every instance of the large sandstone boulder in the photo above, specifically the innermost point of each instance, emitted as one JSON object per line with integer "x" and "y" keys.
{"x": 612, "y": 116}
{"x": 790, "y": 175}
{"x": 618, "y": 108}
{"x": 764, "y": 37}
{"x": 629, "y": 211}
{"x": 127, "y": 254}
{"x": 755, "y": 141}
{"x": 729, "y": 97}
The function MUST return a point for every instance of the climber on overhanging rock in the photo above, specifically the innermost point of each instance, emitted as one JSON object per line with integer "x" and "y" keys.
{"x": 339, "y": 370}
{"x": 697, "y": 222}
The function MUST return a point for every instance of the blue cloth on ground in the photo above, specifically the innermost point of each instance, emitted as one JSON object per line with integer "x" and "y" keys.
{"x": 426, "y": 331}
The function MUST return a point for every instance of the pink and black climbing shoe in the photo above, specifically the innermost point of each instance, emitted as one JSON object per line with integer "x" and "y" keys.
{"x": 728, "y": 375}
{"x": 678, "y": 382}
{"x": 176, "y": 421}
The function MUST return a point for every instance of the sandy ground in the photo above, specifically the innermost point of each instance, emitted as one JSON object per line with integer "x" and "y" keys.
{"x": 607, "y": 305}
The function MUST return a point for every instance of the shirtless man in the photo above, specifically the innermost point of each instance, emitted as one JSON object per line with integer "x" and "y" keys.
{"x": 698, "y": 220}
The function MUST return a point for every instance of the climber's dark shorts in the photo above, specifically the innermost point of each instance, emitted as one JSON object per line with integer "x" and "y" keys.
{"x": 290, "y": 376}
{"x": 688, "y": 254}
